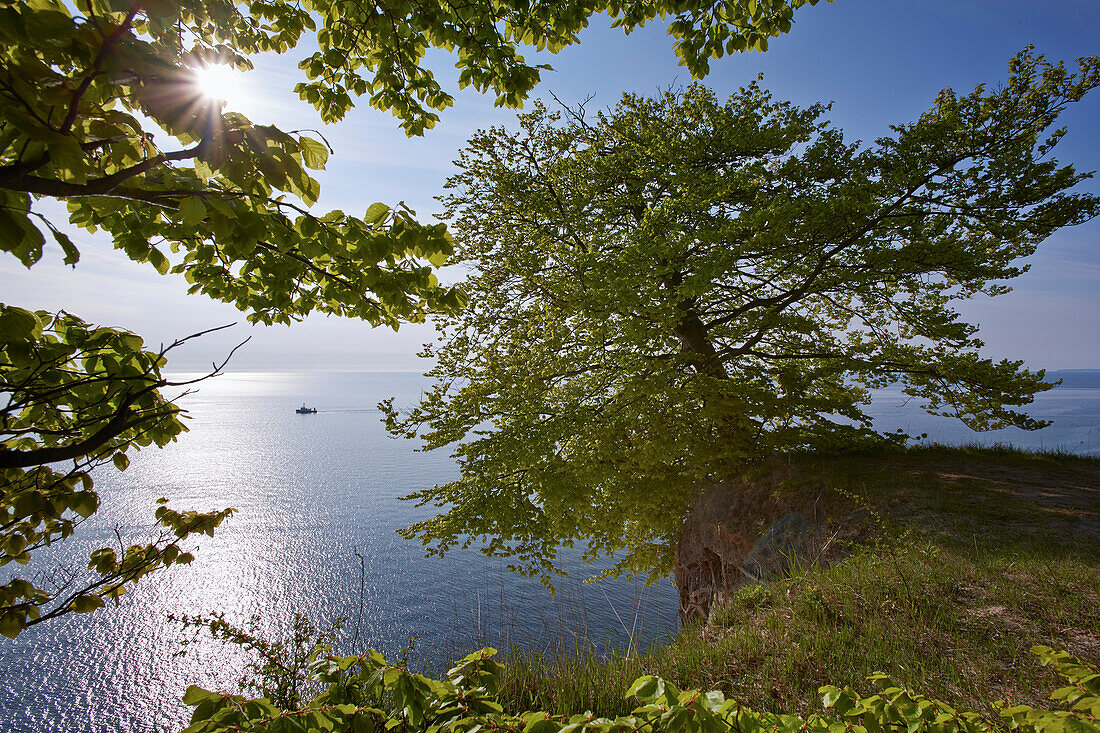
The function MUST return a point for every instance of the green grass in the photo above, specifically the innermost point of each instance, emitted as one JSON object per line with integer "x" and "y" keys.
{"x": 957, "y": 562}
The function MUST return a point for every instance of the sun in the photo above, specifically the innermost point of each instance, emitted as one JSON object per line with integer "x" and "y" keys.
{"x": 219, "y": 82}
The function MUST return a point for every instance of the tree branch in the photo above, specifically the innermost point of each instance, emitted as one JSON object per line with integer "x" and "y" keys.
{"x": 104, "y": 186}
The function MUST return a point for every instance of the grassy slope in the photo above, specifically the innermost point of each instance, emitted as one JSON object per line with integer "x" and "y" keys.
{"x": 960, "y": 561}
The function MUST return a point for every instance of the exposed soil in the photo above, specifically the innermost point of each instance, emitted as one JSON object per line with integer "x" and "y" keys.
{"x": 725, "y": 523}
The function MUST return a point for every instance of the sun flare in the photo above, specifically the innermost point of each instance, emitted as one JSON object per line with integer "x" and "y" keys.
{"x": 220, "y": 82}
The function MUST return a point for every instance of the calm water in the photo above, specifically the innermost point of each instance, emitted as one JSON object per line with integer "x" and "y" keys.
{"x": 311, "y": 490}
{"x": 1074, "y": 414}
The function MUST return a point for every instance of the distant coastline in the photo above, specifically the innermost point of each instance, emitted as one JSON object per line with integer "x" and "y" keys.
{"x": 1075, "y": 378}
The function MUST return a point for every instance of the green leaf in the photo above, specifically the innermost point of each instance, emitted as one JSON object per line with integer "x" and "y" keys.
{"x": 829, "y": 695}
{"x": 310, "y": 247}
{"x": 11, "y": 623}
{"x": 85, "y": 503}
{"x": 1076, "y": 725}
{"x": 314, "y": 153}
{"x": 376, "y": 213}
{"x": 72, "y": 254}
{"x": 17, "y": 324}
{"x": 645, "y": 688}
{"x": 68, "y": 158}
{"x": 87, "y": 604}
{"x": 194, "y": 695}
{"x": 541, "y": 726}
{"x": 20, "y": 237}
{"x": 362, "y": 723}
{"x": 159, "y": 261}
{"x": 192, "y": 210}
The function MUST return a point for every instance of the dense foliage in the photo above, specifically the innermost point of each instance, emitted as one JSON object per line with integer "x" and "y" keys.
{"x": 668, "y": 291}
{"x": 104, "y": 128}
{"x": 365, "y": 694}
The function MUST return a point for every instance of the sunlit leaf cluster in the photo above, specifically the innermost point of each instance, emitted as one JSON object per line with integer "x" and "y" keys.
{"x": 108, "y": 118}
{"x": 669, "y": 291}
{"x": 378, "y": 49}
{"x": 76, "y": 397}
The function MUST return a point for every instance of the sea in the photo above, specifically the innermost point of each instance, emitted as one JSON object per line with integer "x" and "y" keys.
{"x": 317, "y": 499}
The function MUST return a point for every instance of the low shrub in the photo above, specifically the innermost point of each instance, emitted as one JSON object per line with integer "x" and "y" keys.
{"x": 365, "y": 694}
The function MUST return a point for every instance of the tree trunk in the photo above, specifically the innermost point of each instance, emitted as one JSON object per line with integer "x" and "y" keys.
{"x": 730, "y": 520}
{"x": 709, "y": 553}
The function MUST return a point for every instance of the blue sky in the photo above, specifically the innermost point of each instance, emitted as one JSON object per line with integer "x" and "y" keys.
{"x": 879, "y": 62}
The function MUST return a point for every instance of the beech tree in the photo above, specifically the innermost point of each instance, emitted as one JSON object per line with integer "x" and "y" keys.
{"x": 102, "y": 125}
{"x": 666, "y": 292}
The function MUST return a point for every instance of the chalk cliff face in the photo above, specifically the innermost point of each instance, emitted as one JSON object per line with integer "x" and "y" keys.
{"x": 742, "y": 532}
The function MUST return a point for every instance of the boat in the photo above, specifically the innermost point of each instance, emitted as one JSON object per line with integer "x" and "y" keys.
{"x": 303, "y": 410}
